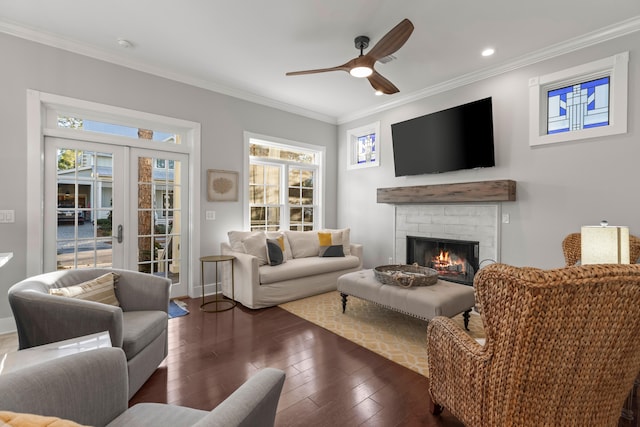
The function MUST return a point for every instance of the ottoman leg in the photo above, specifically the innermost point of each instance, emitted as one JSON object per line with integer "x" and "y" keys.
{"x": 466, "y": 316}
{"x": 344, "y": 301}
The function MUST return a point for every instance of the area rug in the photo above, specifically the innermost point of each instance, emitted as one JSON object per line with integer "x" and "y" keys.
{"x": 395, "y": 336}
{"x": 177, "y": 308}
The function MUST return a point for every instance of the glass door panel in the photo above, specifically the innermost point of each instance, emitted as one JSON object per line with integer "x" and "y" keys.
{"x": 159, "y": 205}
{"x": 79, "y": 190}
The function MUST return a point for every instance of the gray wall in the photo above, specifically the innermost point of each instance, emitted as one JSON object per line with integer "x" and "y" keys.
{"x": 559, "y": 187}
{"x": 27, "y": 65}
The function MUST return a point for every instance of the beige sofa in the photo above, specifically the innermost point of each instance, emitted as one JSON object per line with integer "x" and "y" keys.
{"x": 303, "y": 273}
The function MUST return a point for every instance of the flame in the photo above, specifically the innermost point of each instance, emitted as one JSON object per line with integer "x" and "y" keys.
{"x": 443, "y": 261}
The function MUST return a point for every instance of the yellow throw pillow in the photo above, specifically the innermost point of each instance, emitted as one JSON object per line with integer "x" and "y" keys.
{"x": 101, "y": 289}
{"x": 15, "y": 419}
{"x": 330, "y": 244}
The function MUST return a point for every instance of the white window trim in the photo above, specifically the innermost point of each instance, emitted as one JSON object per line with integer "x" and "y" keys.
{"x": 320, "y": 179}
{"x": 616, "y": 67}
{"x": 38, "y": 103}
{"x": 352, "y": 146}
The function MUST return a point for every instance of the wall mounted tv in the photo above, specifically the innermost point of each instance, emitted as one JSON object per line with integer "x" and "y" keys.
{"x": 457, "y": 138}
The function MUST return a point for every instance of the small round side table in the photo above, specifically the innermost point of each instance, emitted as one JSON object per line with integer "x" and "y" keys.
{"x": 226, "y": 304}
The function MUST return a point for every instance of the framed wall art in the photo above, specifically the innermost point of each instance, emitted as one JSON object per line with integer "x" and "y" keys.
{"x": 222, "y": 186}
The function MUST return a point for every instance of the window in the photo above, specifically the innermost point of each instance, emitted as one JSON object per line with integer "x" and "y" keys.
{"x": 580, "y": 106}
{"x": 586, "y": 101}
{"x": 283, "y": 186}
{"x": 112, "y": 129}
{"x": 363, "y": 147}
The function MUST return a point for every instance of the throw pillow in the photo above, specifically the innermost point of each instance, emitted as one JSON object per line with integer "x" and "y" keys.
{"x": 275, "y": 251}
{"x": 287, "y": 247}
{"x": 346, "y": 243}
{"x": 303, "y": 243}
{"x": 256, "y": 245}
{"x": 330, "y": 244}
{"x": 236, "y": 237}
{"x": 15, "y": 419}
{"x": 101, "y": 289}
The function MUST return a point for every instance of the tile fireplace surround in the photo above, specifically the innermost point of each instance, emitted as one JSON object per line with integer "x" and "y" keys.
{"x": 463, "y": 211}
{"x": 459, "y": 222}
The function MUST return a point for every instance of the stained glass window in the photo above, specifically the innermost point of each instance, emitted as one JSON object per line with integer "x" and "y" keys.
{"x": 367, "y": 148}
{"x": 580, "y": 106}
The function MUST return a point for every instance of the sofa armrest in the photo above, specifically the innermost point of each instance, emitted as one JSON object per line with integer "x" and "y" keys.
{"x": 42, "y": 318}
{"x": 89, "y": 388}
{"x": 254, "y": 403}
{"x": 246, "y": 276}
{"x": 458, "y": 366}
{"x": 140, "y": 291}
{"x": 357, "y": 250}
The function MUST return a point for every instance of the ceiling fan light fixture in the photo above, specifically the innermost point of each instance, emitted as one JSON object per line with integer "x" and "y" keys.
{"x": 361, "y": 72}
{"x": 379, "y": 93}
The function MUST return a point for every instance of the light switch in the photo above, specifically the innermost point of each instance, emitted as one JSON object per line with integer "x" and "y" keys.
{"x": 505, "y": 218}
{"x": 7, "y": 216}
{"x": 210, "y": 215}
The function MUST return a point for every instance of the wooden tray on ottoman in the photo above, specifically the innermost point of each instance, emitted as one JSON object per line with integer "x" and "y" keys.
{"x": 405, "y": 275}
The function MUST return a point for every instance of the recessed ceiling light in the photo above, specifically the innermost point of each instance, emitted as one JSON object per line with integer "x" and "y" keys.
{"x": 488, "y": 51}
{"x": 124, "y": 43}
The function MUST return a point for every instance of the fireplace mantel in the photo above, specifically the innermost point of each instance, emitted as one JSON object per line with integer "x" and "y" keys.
{"x": 481, "y": 191}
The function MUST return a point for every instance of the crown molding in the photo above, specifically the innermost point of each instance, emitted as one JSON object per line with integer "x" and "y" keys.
{"x": 599, "y": 36}
{"x": 89, "y": 51}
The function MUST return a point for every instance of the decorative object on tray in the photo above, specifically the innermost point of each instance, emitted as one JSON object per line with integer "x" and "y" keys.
{"x": 406, "y": 275}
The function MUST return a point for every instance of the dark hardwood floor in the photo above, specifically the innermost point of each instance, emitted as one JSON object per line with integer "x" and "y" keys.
{"x": 330, "y": 380}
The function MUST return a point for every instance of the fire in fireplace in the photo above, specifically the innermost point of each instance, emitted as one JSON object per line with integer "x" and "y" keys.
{"x": 454, "y": 260}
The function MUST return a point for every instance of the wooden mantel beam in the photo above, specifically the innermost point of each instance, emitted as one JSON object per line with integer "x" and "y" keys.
{"x": 481, "y": 191}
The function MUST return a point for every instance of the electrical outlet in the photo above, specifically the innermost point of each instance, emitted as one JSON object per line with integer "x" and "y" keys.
{"x": 210, "y": 215}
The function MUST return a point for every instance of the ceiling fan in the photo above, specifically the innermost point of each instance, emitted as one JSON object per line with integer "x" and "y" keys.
{"x": 362, "y": 66}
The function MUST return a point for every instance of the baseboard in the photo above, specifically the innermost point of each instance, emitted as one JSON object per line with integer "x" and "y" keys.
{"x": 7, "y": 325}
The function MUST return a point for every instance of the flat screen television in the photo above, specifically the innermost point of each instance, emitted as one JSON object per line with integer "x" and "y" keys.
{"x": 457, "y": 138}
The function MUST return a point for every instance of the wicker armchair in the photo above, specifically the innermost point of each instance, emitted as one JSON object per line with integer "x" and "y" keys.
{"x": 571, "y": 248}
{"x": 561, "y": 348}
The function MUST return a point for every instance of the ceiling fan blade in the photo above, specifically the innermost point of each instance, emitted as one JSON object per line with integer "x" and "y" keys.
{"x": 343, "y": 67}
{"x": 382, "y": 84}
{"x": 392, "y": 41}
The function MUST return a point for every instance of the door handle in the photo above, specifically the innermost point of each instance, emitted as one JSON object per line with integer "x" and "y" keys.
{"x": 119, "y": 236}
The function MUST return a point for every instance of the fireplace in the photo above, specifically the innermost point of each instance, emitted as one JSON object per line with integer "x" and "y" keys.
{"x": 454, "y": 260}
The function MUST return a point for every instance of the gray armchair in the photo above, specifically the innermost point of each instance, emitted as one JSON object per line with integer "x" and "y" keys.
{"x": 90, "y": 388}
{"x": 138, "y": 326}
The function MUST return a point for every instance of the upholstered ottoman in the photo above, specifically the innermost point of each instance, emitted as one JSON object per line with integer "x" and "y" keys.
{"x": 424, "y": 302}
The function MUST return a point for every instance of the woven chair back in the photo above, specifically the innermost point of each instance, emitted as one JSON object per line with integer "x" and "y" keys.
{"x": 563, "y": 343}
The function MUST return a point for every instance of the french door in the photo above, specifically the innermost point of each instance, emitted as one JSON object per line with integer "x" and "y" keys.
{"x": 109, "y": 205}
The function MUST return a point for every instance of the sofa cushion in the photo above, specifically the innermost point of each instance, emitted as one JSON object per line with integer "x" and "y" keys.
{"x": 256, "y": 245}
{"x": 236, "y": 237}
{"x": 140, "y": 328}
{"x": 303, "y": 243}
{"x": 303, "y": 267}
{"x": 100, "y": 289}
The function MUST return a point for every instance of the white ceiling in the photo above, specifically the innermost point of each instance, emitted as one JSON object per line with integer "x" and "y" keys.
{"x": 245, "y": 47}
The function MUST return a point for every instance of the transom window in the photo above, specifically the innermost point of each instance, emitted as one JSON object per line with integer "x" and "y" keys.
{"x": 580, "y": 106}
{"x": 585, "y": 101}
{"x": 69, "y": 122}
{"x": 284, "y": 183}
